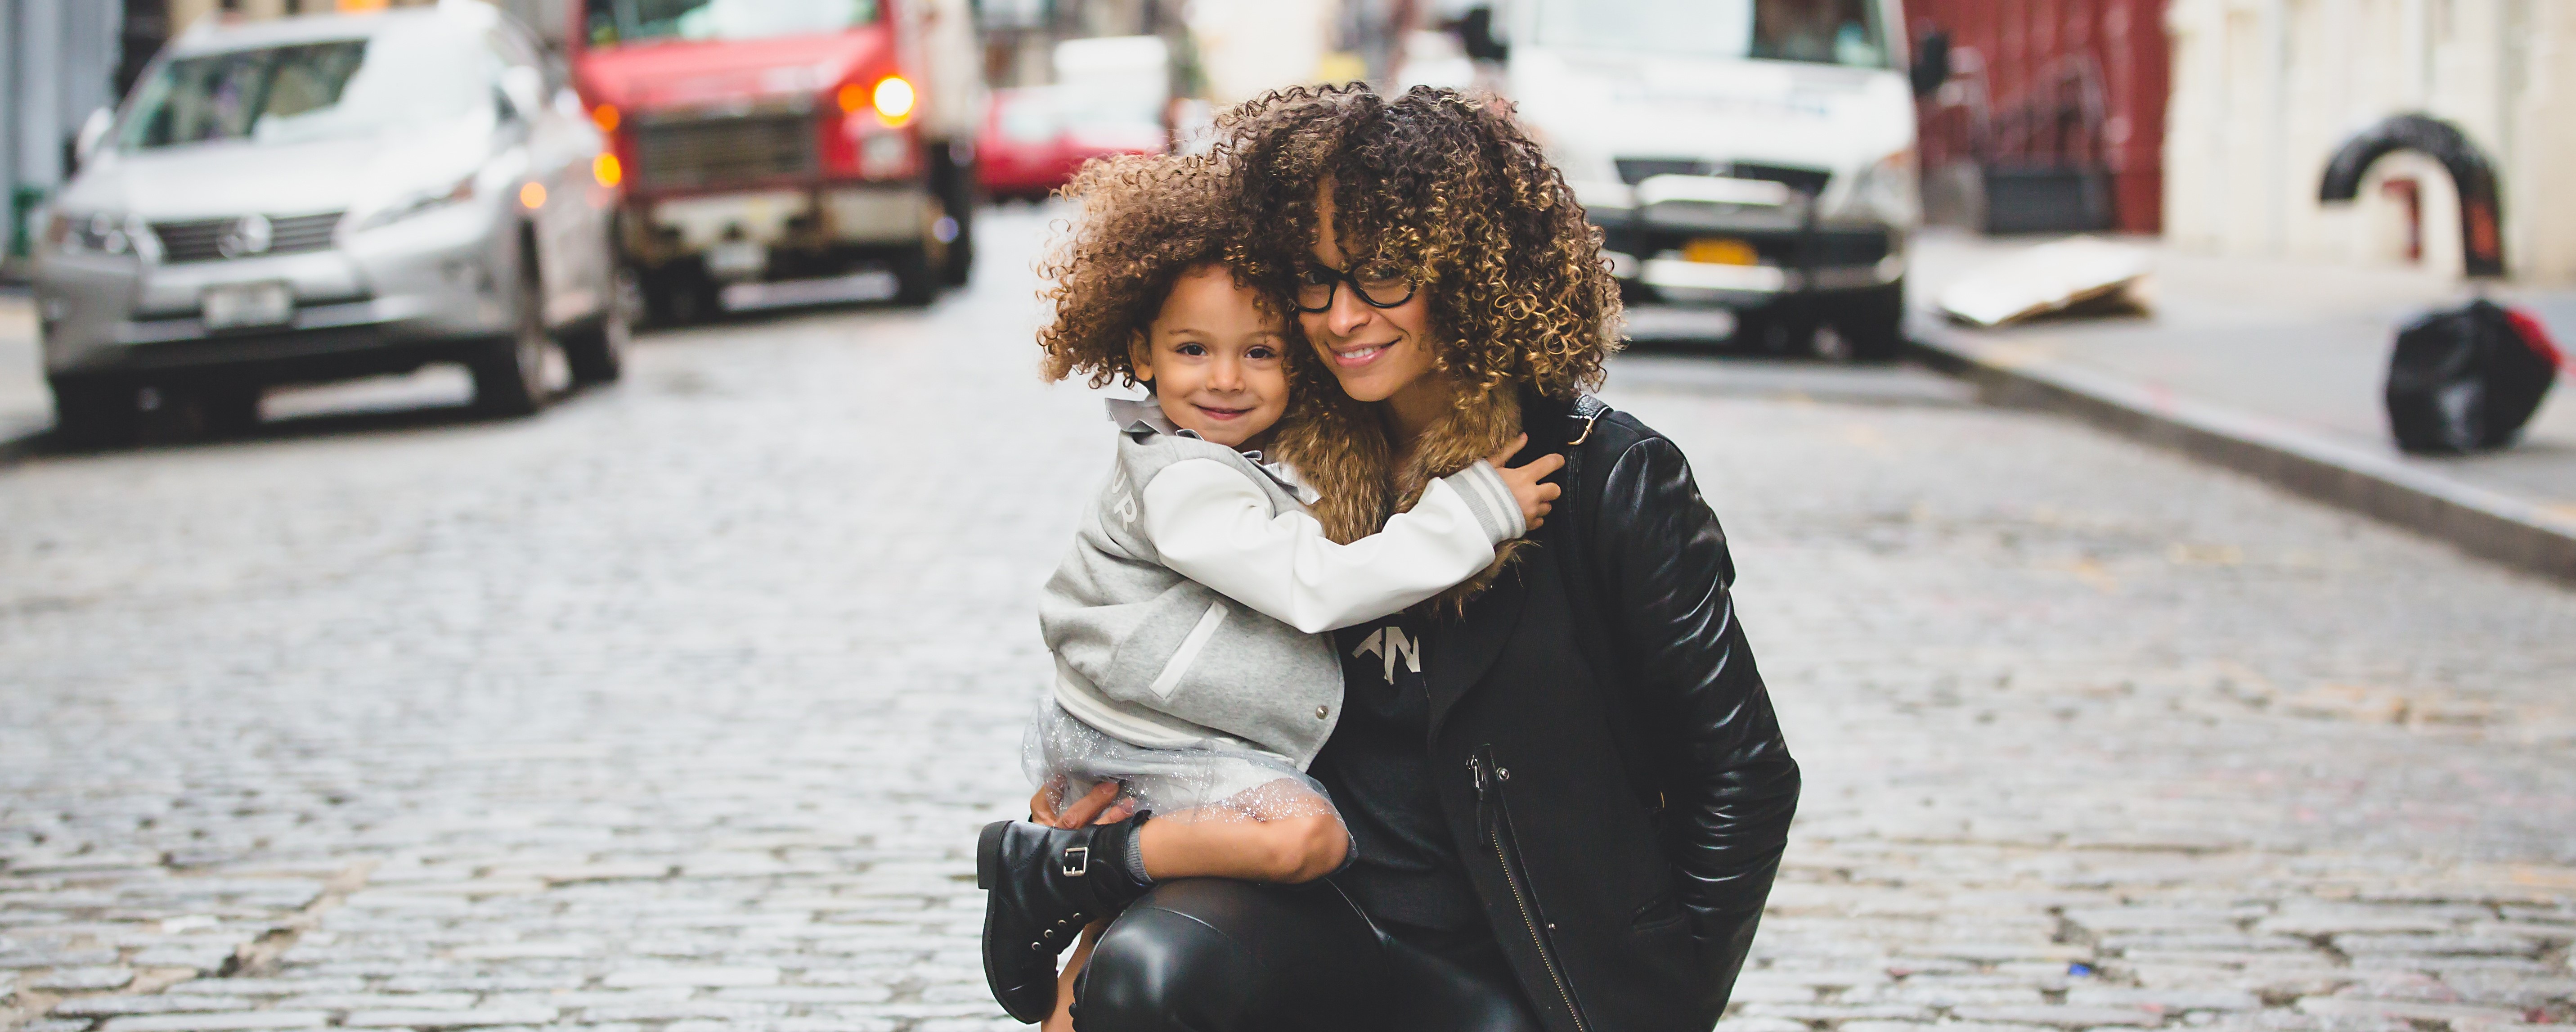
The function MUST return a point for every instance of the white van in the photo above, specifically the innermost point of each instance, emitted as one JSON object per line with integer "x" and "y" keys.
{"x": 1752, "y": 154}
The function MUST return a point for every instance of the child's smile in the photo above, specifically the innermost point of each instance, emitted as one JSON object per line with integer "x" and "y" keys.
{"x": 1216, "y": 359}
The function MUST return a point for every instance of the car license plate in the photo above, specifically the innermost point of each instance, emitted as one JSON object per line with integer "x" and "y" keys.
{"x": 737, "y": 259}
{"x": 248, "y": 304}
{"x": 1720, "y": 251}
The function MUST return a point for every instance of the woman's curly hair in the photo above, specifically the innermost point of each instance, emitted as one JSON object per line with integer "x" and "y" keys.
{"x": 1144, "y": 221}
{"x": 1448, "y": 189}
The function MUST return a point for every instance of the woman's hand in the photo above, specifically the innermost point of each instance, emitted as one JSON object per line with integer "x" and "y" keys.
{"x": 1535, "y": 498}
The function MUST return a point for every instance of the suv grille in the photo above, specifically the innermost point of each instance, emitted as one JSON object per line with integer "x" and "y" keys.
{"x": 713, "y": 151}
{"x": 201, "y": 240}
{"x": 1809, "y": 181}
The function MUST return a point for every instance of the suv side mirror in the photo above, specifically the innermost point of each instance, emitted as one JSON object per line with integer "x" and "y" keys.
{"x": 524, "y": 88}
{"x": 93, "y": 132}
{"x": 1931, "y": 62}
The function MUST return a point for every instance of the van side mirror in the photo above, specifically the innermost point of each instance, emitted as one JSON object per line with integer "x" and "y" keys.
{"x": 1476, "y": 35}
{"x": 93, "y": 132}
{"x": 1931, "y": 62}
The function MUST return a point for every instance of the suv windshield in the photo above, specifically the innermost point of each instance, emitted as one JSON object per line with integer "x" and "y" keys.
{"x": 613, "y": 22}
{"x": 312, "y": 90}
{"x": 1843, "y": 32}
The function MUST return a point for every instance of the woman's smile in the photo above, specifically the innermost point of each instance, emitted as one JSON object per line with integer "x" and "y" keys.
{"x": 1355, "y": 356}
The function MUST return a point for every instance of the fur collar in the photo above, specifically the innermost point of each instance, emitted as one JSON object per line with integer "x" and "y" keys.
{"x": 1343, "y": 449}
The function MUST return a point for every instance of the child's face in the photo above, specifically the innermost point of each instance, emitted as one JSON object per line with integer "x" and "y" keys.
{"x": 1216, "y": 361}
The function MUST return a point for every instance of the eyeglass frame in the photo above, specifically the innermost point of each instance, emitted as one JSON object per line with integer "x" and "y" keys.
{"x": 1341, "y": 276}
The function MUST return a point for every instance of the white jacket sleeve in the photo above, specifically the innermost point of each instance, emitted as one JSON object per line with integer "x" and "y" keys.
{"x": 1212, "y": 525}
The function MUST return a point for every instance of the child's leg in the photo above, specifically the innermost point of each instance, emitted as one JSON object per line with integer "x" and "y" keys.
{"x": 1194, "y": 844}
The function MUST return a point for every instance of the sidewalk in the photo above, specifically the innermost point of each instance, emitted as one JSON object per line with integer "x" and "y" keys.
{"x": 2275, "y": 369}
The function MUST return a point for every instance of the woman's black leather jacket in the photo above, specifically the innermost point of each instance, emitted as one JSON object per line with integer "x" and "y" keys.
{"x": 1621, "y": 791}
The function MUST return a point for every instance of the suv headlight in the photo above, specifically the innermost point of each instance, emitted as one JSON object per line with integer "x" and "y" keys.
{"x": 96, "y": 233}
{"x": 419, "y": 202}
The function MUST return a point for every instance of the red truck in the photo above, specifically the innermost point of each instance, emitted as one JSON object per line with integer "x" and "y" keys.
{"x": 775, "y": 139}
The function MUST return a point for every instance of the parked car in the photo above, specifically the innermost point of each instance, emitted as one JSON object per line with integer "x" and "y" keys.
{"x": 324, "y": 197}
{"x": 1021, "y": 152}
{"x": 1108, "y": 99}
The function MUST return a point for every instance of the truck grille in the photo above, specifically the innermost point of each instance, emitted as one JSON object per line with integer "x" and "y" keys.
{"x": 713, "y": 151}
{"x": 201, "y": 240}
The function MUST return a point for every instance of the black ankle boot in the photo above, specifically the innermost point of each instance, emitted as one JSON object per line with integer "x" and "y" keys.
{"x": 1044, "y": 884}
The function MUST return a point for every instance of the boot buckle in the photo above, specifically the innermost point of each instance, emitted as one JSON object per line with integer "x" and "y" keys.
{"x": 1077, "y": 861}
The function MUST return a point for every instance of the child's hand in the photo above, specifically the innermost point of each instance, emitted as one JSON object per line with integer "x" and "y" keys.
{"x": 1535, "y": 498}
{"x": 1093, "y": 808}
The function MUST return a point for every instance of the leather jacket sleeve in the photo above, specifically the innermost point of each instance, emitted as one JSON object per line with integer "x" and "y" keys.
{"x": 1730, "y": 785}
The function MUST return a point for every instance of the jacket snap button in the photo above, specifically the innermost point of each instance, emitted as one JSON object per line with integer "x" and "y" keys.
{"x": 1322, "y": 711}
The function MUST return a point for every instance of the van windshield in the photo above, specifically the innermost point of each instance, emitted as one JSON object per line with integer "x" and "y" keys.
{"x": 1842, "y": 32}
{"x": 312, "y": 90}
{"x": 611, "y": 23}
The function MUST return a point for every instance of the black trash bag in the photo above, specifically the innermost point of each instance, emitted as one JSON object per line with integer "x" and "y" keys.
{"x": 2467, "y": 378}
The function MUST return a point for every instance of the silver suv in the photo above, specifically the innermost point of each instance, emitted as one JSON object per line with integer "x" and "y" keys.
{"x": 325, "y": 197}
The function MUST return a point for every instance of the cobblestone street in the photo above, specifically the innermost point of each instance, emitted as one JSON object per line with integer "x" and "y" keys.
{"x": 675, "y": 708}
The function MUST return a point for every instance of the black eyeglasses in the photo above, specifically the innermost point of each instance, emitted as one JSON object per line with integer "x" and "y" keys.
{"x": 1316, "y": 284}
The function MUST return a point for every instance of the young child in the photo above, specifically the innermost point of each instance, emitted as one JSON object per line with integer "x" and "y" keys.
{"x": 1193, "y": 679}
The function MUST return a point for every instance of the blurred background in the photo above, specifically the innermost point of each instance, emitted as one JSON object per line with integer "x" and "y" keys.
{"x": 528, "y": 515}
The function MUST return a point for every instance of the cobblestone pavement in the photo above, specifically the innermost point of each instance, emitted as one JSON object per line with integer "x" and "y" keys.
{"x": 674, "y": 710}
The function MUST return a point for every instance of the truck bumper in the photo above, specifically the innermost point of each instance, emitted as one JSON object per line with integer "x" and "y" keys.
{"x": 810, "y": 220}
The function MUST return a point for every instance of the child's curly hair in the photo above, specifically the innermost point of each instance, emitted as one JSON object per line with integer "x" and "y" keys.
{"x": 1145, "y": 220}
{"x": 1443, "y": 187}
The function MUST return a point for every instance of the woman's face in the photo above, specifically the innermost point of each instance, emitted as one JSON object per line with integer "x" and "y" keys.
{"x": 1375, "y": 352}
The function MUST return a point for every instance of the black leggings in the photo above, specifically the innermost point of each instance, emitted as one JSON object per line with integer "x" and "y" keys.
{"x": 1210, "y": 955}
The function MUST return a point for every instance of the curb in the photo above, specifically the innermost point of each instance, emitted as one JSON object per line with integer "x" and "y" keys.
{"x": 2486, "y": 524}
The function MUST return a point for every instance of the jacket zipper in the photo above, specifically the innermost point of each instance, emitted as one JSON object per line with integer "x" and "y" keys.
{"x": 1493, "y": 822}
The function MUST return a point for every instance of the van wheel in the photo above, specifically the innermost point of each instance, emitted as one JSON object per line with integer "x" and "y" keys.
{"x": 1874, "y": 323}
{"x": 93, "y": 413}
{"x": 597, "y": 350}
{"x": 510, "y": 373}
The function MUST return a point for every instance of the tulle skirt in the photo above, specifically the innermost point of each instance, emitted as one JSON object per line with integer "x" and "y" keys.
{"x": 1218, "y": 781}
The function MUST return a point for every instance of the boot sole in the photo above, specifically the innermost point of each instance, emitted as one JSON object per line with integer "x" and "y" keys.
{"x": 988, "y": 855}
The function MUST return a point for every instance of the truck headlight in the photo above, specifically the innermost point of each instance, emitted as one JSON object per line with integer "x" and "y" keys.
{"x": 419, "y": 202}
{"x": 95, "y": 233}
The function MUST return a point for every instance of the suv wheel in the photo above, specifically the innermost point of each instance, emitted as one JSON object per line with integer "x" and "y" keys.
{"x": 1874, "y": 323}
{"x": 90, "y": 413}
{"x": 510, "y": 373}
{"x": 230, "y": 410}
{"x": 597, "y": 350}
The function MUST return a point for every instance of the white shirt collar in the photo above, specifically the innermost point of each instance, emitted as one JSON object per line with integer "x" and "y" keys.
{"x": 1144, "y": 415}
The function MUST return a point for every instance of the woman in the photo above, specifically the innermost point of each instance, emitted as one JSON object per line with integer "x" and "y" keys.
{"x": 1564, "y": 778}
